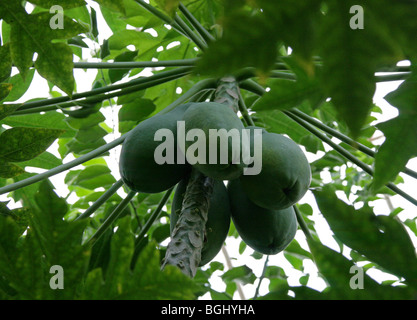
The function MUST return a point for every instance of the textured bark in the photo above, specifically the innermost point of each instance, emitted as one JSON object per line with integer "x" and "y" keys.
{"x": 227, "y": 92}
{"x": 187, "y": 238}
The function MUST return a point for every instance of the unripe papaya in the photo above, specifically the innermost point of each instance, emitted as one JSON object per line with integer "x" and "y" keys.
{"x": 264, "y": 230}
{"x": 218, "y": 223}
{"x": 218, "y": 157}
{"x": 285, "y": 175}
{"x": 138, "y": 167}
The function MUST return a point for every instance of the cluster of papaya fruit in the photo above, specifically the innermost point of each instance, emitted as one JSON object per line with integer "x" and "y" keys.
{"x": 260, "y": 205}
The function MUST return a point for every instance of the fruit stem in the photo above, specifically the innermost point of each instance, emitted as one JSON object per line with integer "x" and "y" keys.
{"x": 63, "y": 167}
{"x": 161, "y": 16}
{"x": 187, "y": 238}
{"x": 244, "y": 111}
{"x": 302, "y": 223}
{"x": 104, "y": 197}
{"x": 135, "y": 64}
{"x": 142, "y": 81}
{"x": 261, "y": 278}
{"x": 148, "y": 224}
{"x": 113, "y": 216}
{"x": 196, "y": 24}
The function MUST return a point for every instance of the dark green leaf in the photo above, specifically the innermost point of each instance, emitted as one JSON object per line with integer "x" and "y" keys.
{"x": 49, "y": 120}
{"x": 22, "y": 144}
{"x": 60, "y": 240}
{"x": 286, "y": 94}
{"x": 376, "y": 237}
{"x": 45, "y": 160}
{"x": 85, "y": 123}
{"x": 19, "y": 85}
{"x": 115, "y": 5}
{"x": 242, "y": 274}
{"x": 239, "y": 46}
{"x": 94, "y": 176}
{"x": 5, "y": 62}
{"x": 5, "y": 89}
{"x": 6, "y": 109}
{"x": 136, "y": 110}
{"x": 116, "y": 74}
{"x": 91, "y": 134}
{"x": 400, "y": 131}
{"x": 348, "y": 74}
{"x": 79, "y": 148}
{"x": 35, "y": 32}
{"x": 343, "y": 277}
{"x": 47, "y": 4}
{"x": 56, "y": 66}
{"x": 145, "y": 282}
{"x": 9, "y": 170}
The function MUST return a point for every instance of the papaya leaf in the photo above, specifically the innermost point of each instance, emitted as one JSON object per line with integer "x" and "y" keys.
{"x": 142, "y": 41}
{"x": 6, "y": 109}
{"x": 145, "y": 282}
{"x": 347, "y": 281}
{"x": 50, "y": 241}
{"x": 168, "y": 6}
{"x": 115, "y": 74}
{"x": 136, "y": 110}
{"x": 57, "y": 65}
{"x": 91, "y": 134}
{"x": 285, "y": 94}
{"x": 9, "y": 170}
{"x": 19, "y": 85}
{"x": 47, "y": 4}
{"x": 115, "y": 5}
{"x": 376, "y": 237}
{"x": 348, "y": 75}
{"x": 60, "y": 240}
{"x": 85, "y": 123}
{"x": 9, "y": 235}
{"x": 396, "y": 19}
{"x": 79, "y": 148}
{"x": 22, "y": 144}
{"x": 32, "y": 33}
{"x": 49, "y": 120}
{"x": 400, "y": 144}
{"x": 5, "y": 62}
{"x": 239, "y": 46}
{"x": 45, "y": 160}
{"x": 242, "y": 274}
{"x": 5, "y": 89}
{"x": 93, "y": 177}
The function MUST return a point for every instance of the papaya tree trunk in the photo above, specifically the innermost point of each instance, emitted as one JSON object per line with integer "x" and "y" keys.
{"x": 187, "y": 238}
{"x": 227, "y": 93}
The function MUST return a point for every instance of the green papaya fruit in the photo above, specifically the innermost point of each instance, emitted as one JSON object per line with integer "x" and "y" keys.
{"x": 285, "y": 175}
{"x": 138, "y": 167}
{"x": 264, "y": 230}
{"x": 218, "y": 223}
{"x": 218, "y": 157}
